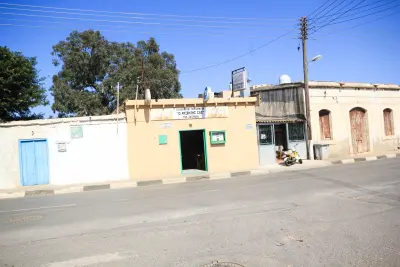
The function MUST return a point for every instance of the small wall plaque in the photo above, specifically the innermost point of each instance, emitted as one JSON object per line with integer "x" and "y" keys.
{"x": 217, "y": 137}
{"x": 76, "y": 132}
{"x": 62, "y": 147}
{"x": 162, "y": 139}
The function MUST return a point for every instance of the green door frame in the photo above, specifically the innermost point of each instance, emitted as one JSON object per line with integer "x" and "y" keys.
{"x": 204, "y": 144}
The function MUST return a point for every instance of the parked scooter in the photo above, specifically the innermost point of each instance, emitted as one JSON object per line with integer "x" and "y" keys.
{"x": 291, "y": 156}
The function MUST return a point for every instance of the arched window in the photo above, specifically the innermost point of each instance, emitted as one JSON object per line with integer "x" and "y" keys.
{"x": 325, "y": 124}
{"x": 388, "y": 121}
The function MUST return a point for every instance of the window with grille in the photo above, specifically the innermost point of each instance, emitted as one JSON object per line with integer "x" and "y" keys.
{"x": 388, "y": 121}
{"x": 325, "y": 124}
{"x": 265, "y": 134}
{"x": 296, "y": 132}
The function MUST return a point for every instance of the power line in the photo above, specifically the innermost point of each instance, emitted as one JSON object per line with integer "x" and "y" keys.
{"x": 213, "y": 34}
{"x": 358, "y": 25}
{"x": 134, "y": 17}
{"x": 333, "y": 8}
{"x": 142, "y": 14}
{"x": 318, "y": 8}
{"x": 370, "y": 14}
{"x": 386, "y": 3}
{"x": 324, "y": 9}
{"x": 240, "y": 56}
{"x": 332, "y": 20}
{"x": 125, "y": 22}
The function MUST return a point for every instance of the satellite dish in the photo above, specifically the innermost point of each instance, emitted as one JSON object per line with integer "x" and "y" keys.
{"x": 207, "y": 94}
{"x": 285, "y": 79}
{"x": 147, "y": 96}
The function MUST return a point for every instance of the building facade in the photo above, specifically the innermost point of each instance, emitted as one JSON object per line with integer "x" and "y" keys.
{"x": 63, "y": 151}
{"x": 172, "y": 137}
{"x": 352, "y": 118}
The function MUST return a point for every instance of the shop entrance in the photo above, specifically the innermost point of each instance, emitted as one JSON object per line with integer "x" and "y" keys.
{"x": 193, "y": 151}
{"x": 281, "y": 143}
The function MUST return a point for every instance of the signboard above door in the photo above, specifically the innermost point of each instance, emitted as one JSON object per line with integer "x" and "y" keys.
{"x": 189, "y": 113}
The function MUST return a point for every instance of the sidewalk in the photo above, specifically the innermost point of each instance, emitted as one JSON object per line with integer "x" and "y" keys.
{"x": 365, "y": 157}
{"x": 75, "y": 188}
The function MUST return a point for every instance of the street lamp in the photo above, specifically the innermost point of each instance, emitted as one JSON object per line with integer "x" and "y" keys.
{"x": 318, "y": 57}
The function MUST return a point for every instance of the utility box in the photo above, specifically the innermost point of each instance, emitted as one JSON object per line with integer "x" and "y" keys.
{"x": 321, "y": 151}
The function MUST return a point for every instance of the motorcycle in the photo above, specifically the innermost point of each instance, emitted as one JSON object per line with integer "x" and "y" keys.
{"x": 291, "y": 157}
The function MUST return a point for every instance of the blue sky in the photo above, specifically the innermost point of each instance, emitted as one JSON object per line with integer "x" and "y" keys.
{"x": 368, "y": 53}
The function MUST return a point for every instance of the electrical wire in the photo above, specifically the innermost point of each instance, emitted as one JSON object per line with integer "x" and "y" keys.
{"x": 334, "y": 19}
{"x": 142, "y": 14}
{"x": 127, "y": 22}
{"x": 213, "y": 34}
{"x": 89, "y": 25}
{"x": 358, "y": 25}
{"x": 324, "y": 9}
{"x": 370, "y": 14}
{"x": 386, "y": 3}
{"x": 315, "y": 10}
{"x": 240, "y": 56}
{"x": 330, "y": 10}
{"x": 134, "y": 17}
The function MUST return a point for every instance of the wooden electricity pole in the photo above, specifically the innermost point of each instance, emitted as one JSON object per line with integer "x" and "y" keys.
{"x": 304, "y": 33}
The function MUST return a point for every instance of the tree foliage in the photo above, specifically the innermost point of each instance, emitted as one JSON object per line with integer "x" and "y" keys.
{"x": 91, "y": 67}
{"x": 20, "y": 86}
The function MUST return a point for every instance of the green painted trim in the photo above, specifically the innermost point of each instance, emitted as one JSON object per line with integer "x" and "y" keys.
{"x": 205, "y": 150}
{"x": 180, "y": 152}
{"x": 217, "y": 142}
{"x": 204, "y": 143}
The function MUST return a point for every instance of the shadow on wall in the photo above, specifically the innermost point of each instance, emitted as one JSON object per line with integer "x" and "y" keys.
{"x": 147, "y": 114}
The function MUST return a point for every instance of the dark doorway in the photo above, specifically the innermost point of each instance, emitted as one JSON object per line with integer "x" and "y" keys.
{"x": 281, "y": 136}
{"x": 192, "y": 150}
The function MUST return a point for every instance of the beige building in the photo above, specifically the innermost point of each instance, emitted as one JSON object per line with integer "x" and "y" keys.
{"x": 353, "y": 118}
{"x": 171, "y": 137}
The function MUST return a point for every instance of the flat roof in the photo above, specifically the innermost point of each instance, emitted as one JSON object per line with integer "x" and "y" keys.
{"x": 70, "y": 120}
{"x": 326, "y": 84}
{"x": 193, "y": 101}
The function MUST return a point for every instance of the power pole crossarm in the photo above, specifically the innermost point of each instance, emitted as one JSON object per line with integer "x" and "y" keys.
{"x": 304, "y": 33}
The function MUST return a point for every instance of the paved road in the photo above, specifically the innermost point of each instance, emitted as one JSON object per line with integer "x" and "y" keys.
{"x": 344, "y": 215}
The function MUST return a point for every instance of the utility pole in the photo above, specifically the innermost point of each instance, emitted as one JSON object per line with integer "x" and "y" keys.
{"x": 117, "y": 105}
{"x": 304, "y": 33}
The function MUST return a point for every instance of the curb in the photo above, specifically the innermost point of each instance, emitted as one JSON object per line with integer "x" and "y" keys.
{"x": 348, "y": 161}
{"x": 131, "y": 184}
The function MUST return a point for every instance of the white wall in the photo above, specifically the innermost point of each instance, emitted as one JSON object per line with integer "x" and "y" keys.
{"x": 340, "y": 102}
{"x": 101, "y": 155}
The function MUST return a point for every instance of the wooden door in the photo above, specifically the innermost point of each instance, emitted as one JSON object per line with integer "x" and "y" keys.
{"x": 359, "y": 130}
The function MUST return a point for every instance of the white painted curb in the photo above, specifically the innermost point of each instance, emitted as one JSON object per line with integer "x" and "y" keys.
{"x": 220, "y": 176}
{"x": 347, "y": 161}
{"x": 174, "y": 180}
{"x": 123, "y": 185}
{"x": 68, "y": 190}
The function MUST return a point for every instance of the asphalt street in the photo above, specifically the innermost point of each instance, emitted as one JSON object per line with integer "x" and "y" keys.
{"x": 345, "y": 215}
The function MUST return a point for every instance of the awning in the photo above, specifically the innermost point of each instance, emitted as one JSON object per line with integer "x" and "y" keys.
{"x": 265, "y": 119}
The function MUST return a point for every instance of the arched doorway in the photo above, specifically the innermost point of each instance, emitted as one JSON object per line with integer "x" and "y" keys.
{"x": 359, "y": 130}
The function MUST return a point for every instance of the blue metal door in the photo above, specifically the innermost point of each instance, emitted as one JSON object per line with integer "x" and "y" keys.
{"x": 34, "y": 162}
{"x": 266, "y": 144}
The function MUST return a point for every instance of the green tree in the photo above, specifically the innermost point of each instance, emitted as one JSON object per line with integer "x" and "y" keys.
{"x": 91, "y": 66}
{"x": 21, "y": 87}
